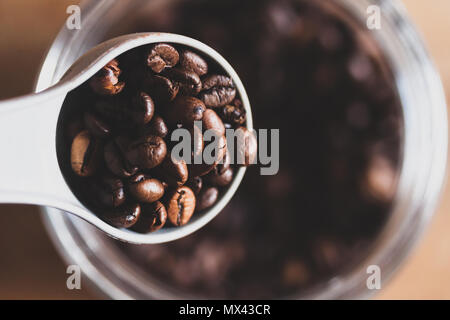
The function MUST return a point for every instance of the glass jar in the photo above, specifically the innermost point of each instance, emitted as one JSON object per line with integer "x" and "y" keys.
{"x": 421, "y": 169}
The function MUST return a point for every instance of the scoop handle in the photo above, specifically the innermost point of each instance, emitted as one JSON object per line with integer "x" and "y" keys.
{"x": 29, "y": 170}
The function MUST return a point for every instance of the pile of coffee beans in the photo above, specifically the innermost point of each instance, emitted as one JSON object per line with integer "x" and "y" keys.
{"x": 308, "y": 73}
{"x": 117, "y": 137}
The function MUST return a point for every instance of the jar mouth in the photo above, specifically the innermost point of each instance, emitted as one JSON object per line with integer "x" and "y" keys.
{"x": 421, "y": 172}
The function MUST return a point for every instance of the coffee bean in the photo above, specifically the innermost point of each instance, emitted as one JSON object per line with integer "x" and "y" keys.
{"x": 234, "y": 113}
{"x": 157, "y": 127}
{"x": 197, "y": 142}
{"x": 145, "y": 189}
{"x": 116, "y": 111}
{"x": 146, "y": 152}
{"x": 181, "y": 206}
{"x": 207, "y": 198}
{"x": 122, "y": 217}
{"x": 225, "y": 164}
{"x": 161, "y": 56}
{"x": 211, "y": 121}
{"x": 199, "y": 170}
{"x": 109, "y": 191}
{"x": 218, "y": 179}
{"x": 153, "y": 217}
{"x": 115, "y": 159}
{"x": 193, "y": 62}
{"x": 142, "y": 109}
{"x": 247, "y": 148}
{"x": 175, "y": 172}
{"x": 96, "y": 126}
{"x": 188, "y": 81}
{"x": 185, "y": 110}
{"x": 85, "y": 154}
{"x": 106, "y": 81}
{"x": 161, "y": 87}
{"x": 217, "y": 91}
{"x": 195, "y": 183}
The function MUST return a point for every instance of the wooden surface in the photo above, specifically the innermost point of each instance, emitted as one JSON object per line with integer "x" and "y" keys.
{"x": 30, "y": 266}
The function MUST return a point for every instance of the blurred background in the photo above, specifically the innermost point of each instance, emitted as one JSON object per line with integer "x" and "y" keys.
{"x": 30, "y": 267}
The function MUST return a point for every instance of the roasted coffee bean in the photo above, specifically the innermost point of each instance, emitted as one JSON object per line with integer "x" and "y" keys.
{"x": 181, "y": 206}
{"x": 96, "y": 126}
{"x": 161, "y": 87}
{"x": 185, "y": 110}
{"x": 197, "y": 142}
{"x": 115, "y": 159}
{"x": 211, "y": 121}
{"x": 247, "y": 148}
{"x": 85, "y": 154}
{"x": 199, "y": 170}
{"x": 122, "y": 217}
{"x": 175, "y": 172}
{"x": 207, "y": 198}
{"x": 234, "y": 113}
{"x": 153, "y": 217}
{"x": 157, "y": 127}
{"x": 146, "y": 152}
{"x": 116, "y": 111}
{"x": 225, "y": 164}
{"x": 109, "y": 191}
{"x": 188, "y": 81}
{"x": 217, "y": 91}
{"x": 142, "y": 109}
{"x": 145, "y": 189}
{"x": 193, "y": 62}
{"x": 195, "y": 183}
{"x": 106, "y": 81}
{"x": 161, "y": 56}
{"x": 220, "y": 179}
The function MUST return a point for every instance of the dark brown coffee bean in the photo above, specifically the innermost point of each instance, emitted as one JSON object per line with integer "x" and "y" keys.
{"x": 109, "y": 191}
{"x": 217, "y": 91}
{"x": 175, "y": 172}
{"x": 193, "y": 62}
{"x": 181, "y": 206}
{"x": 145, "y": 189}
{"x": 142, "y": 109}
{"x": 199, "y": 170}
{"x": 146, "y": 152}
{"x": 185, "y": 110}
{"x": 223, "y": 165}
{"x": 153, "y": 217}
{"x": 234, "y": 113}
{"x": 161, "y": 56}
{"x": 122, "y": 217}
{"x": 197, "y": 142}
{"x": 157, "y": 127}
{"x": 116, "y": 111}
{"x": 96, "y": 126}
{"x": 188, "y": 81}
{"x": 115, "y": 159}
{"x": 106, "y": 81}
{"x": 85, "y": 154}
{"x": 220, "y": 179}
{"x": 207, "y": 198}
{"x": 161, "y": 87}
{"x": 196, "y": 184}
{"x": 211, "y": 121}
{"x": 247, "y": 148}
